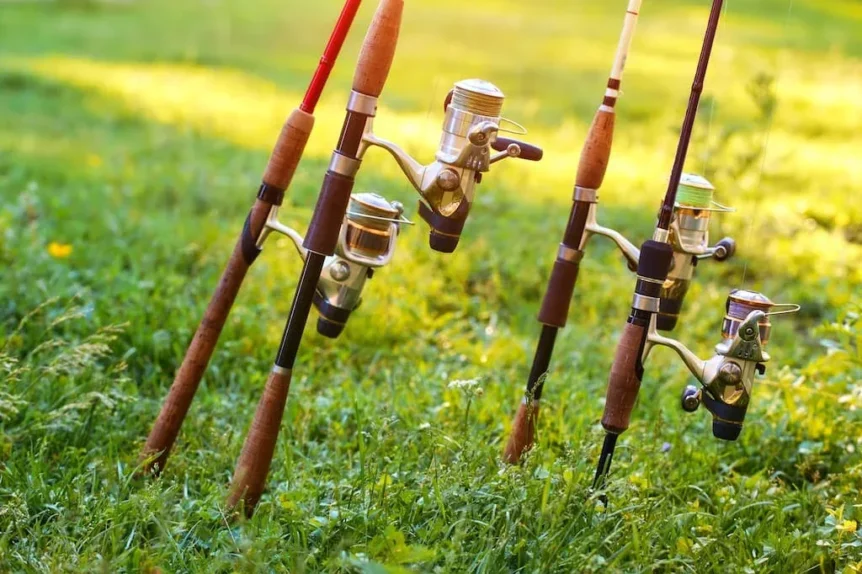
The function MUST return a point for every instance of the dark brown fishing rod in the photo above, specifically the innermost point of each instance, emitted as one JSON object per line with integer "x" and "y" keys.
{"x": 275, "y": 182}
{"x": 555, "y": 306}
{"x": 372, "y": 69}
{"x": 653, "y": 267}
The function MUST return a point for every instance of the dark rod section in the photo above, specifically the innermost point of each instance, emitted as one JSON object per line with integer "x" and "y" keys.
{"x": 605, "y": 460}
{"x": 301, "y": 305}
{"x": 541, "y": 362}
{"x": 690, "y": 115}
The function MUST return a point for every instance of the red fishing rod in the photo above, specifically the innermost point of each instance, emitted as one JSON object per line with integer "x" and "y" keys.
{"x": 275, "y": 182}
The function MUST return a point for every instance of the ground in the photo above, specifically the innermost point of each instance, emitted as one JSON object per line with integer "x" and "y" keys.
{"x": 132, "y": 137}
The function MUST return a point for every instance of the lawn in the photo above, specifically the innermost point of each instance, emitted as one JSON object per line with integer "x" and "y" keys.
{"x": 132, "y": 139}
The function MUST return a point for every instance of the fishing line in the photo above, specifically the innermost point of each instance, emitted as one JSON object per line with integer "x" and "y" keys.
{"x": 767, "y": 134}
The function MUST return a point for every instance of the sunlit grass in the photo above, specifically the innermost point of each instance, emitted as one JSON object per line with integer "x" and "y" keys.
{"x": 132, "y": 138}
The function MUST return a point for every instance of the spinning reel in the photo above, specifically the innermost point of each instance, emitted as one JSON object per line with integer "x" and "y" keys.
{"x": 727, "y": 378}
{"x": 366, "y": 242}
{"x": 470, "y": 133}
{"x": 689, "y": 237}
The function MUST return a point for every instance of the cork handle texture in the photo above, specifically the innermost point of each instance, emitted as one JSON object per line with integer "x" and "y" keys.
{"x": 288, "y": 149}
{"x": 188, "y": 377}
{"x": 523, "y": 432}
{"x": 597, "y": 150}
{"x": 249, "y": 478}
{"x": 378, "y": 49}
{"x": 624, "y": 382}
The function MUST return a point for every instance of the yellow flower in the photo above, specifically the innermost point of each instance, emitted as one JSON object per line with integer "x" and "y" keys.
{"x": 847, "y": 526}
{"x": 94, "y": 160}
{"x": 59, "y": 250}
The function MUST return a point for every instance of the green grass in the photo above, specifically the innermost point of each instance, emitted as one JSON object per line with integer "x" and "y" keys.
{"x": 136, "y": 132}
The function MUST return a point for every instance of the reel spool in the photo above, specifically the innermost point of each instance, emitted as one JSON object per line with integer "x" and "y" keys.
{"x": 369, "y": 229}
{"x": 739, "y": 304}
{"x": 690, "y": 241}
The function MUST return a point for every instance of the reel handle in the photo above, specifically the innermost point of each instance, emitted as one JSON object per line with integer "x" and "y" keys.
{"x": 529, "y": 152}
{"x": 725, "y": 249}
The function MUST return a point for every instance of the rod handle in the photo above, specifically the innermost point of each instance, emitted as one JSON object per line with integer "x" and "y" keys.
{"x": 625, "y": 379}
{"x": 288, "y": 149}
{"x": 249, "y": 478}
{"x": 176, "y": 406}
{"x": 558, "y": 296}
{"x": 523, "y": 433}
{"x": 597, "y": 150}
{"x": 378, "y": 48}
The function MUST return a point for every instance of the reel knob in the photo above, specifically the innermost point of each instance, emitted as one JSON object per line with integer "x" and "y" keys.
{"x": 690, "y": 399}
{"x": 724, "y": 249}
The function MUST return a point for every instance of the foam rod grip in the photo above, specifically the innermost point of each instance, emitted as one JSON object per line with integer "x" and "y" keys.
{"x": 624, "y": 382}
{"x": 378, "y": 48}
{"x": 188, "y": 377}
{"x": 288, "y": 149}
{"x": 558, "y": 296}
{"x": 523, "y": 432}
{"x": 597, "y": 151}
{"x": 249, "y": 478}
{"x": 325, "y": 226}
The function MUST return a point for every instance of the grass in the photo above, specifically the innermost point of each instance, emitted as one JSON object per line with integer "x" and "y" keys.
{"x": 131, "y": 139}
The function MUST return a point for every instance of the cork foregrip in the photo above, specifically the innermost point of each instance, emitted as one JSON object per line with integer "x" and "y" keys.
{"x": 558, "y": 296}
{"x": 523, "y": 432}
{"x": 378, "y": 48}
{"x": 597, "y": 151}
{"x": 188, "y": 377}
{"x": 288, "y": 149}
{"x": 249, "y": 478}
{"x": 624, "y": 382}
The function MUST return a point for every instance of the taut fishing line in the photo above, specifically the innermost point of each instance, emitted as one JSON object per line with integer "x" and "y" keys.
{"x": 766, "y": 136}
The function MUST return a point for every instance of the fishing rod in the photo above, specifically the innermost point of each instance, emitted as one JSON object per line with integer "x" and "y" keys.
{"x": 470, "y": 144}
{"x": 656, "y": 256}
{"x": 276, "y": 180}
{"x": 320, "y": 242}
{"x": 689, "y": 238}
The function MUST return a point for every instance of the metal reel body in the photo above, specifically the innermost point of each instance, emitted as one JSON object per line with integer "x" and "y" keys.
{"x": 727, "y": 378}
{"x": 465, "y": 151}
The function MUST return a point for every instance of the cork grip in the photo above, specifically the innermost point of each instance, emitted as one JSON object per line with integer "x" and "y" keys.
{"x": 597, "y": 151}
{"x": 288, "y": 149}
{"x": 624, "y": 382}
{"x": 378, "y": 48}
{"x": 558, "y": 296}
{"x": 249, "y": 479}
{"x": 523, "y": 432}
{"x": 188, "y": 377}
